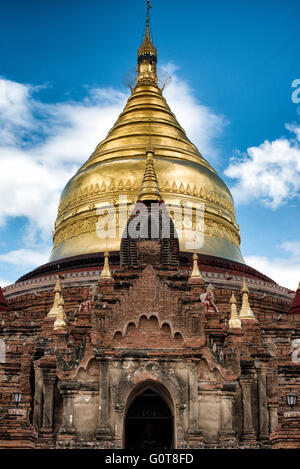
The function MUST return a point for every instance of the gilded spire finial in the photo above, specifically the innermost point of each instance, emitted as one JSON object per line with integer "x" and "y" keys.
{"x": 148, "y": 18}
{"x": 234, "y": 321}
{"x": 147, "y": 56}
{"x": 57, "y": 298}
{"x": 246, "y": 312}
{"x": 106, "y": 273}
{"x": 245, "y": 288}
{"x": 196, "y": 272}
{"x": 147, "y": 48}
{"x": 148, "y": 11}
{"x": 150, "y": 187}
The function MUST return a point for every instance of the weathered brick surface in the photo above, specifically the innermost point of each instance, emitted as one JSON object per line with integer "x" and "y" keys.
{"x": 148, "y": 325}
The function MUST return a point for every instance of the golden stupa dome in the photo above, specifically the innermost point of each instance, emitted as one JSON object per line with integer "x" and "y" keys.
{"x": 95, "y": 204}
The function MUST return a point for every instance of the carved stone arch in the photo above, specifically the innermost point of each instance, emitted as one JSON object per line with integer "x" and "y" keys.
{"x": 155, "y": 386}
{"x": 89, "y": 372}
{"x": 148, "y": 329}
{"x": 126, "y": 326}
{"x": 163, "y": 323}
{"x": 212, "y": 364}
{"x": 166, "y": 326}
{"x": 179, "y": 337}
{"x": 151, "y": 372}
{"x": 209, "y": 369}
{"x": 130, "y": 326}
{"x": 117, "y": 337}
{"x": 156, "y": 390}
{"x": 154, "y": 316}
{"x": 174, "y": 333}
{"x": 147, "y": 318}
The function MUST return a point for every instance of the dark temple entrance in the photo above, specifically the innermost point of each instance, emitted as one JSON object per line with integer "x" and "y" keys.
{"x": 149, "y": 423}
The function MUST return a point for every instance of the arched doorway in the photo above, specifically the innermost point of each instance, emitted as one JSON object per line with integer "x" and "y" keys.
{"x": 149, "y": 421}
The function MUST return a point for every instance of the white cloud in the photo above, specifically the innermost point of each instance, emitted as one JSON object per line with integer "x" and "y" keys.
{"x": 293, "y": 247}
{"x": 26, "y": 257}
{"x": 16, "y": 262}
{"x": 58, "y": 139}
{"x": 4, "y": 282}
{"x": 15, "y": 111}
{"x": 284, "y": 270}
{"x": 270, "y": 172}
{"x": 29, "y": 188}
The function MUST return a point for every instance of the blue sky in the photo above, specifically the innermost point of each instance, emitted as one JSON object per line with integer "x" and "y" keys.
{"x": 232, "y": 63}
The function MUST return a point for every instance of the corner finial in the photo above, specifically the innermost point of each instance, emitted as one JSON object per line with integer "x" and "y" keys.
{"x": 246, "y": 312}
{"x": 196, "y": 272}
{"x": 234, "y": 321}
{"x": 53, "y": 313}
{"x": 106, "y": 273}
{"x": 245, "y": 288}
{"x": 60, "y": 323}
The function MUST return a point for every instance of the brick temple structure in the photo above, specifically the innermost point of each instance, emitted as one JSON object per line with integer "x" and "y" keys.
{"x": 149, "y": 345}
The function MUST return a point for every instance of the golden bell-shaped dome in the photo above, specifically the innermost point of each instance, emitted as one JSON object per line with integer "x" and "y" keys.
{"x": 95, "y": 204}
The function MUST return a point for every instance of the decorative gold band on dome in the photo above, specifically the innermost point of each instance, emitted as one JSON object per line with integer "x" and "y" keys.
{"x": 213, "y": 228}
{"x": 88, "y": 193}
